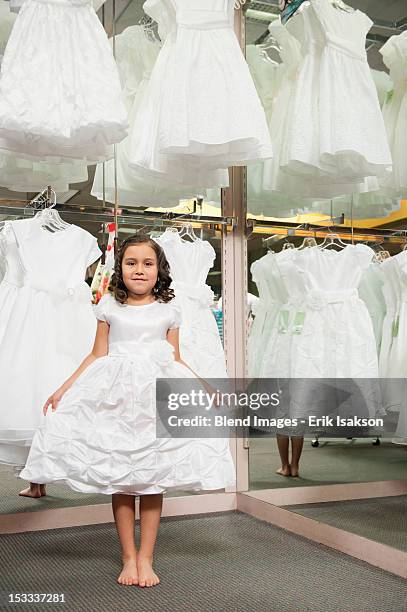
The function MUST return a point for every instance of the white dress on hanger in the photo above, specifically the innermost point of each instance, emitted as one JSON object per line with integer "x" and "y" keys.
{"x": 324, "y": 331}
{"x": 201, "y": 110}
{"x": 60, "y": 95}
{"x": 273, "y": 294}
{"x": 24, "y": 175}
{"x": 328, "y": 138}
{"x": 102, "y": 438}
{"x": 47, "y": 325}
{"x": 200, "y": 342}
{"x": 394, "y": 53}
{"x": 329, "y": 328}
{"x": 393, "y": 353}
{"x": 136, "y": 55}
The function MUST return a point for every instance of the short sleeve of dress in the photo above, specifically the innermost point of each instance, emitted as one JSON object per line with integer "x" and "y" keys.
{"x": 176, "y": 317}
{"x": 94, "y": 252}
{"x": 102, "y": 309}
{"x": 365, "y": 255}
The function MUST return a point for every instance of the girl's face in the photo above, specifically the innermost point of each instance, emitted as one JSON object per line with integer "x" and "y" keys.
{"x": 140, "y": 269}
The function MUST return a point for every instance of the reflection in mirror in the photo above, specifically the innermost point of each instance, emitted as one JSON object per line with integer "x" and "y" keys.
{"x": 104, "y": 203}
{"x": 328, "y": 306}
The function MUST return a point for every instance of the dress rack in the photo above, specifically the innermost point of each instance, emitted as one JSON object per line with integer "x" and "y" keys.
{"x": 124, "y": 216}
{"x": 281, "y": 230}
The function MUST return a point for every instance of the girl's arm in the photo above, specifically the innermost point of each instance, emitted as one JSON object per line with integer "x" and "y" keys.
{"x": 100, "y": 349}
{"x": 173, "y": 339}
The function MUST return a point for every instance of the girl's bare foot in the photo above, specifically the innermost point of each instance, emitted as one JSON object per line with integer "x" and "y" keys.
{"x": 129, "y": 573}
{"x": 34, "y": 490}
{"x": 294, "y": 471}
{"x": 284, "y": 471}
{"x": 147, "y": 576}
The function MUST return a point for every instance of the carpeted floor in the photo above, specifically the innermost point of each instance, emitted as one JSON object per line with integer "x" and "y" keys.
{"x": 382, "y": 519}
{"x": 219, "y": 563}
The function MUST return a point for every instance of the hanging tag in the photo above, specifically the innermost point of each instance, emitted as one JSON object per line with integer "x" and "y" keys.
{"x": 389, "y": 96}
{"x": 298, "y": 323}
{"x": 395, "y": 327}
{"x": 283, "y": 317}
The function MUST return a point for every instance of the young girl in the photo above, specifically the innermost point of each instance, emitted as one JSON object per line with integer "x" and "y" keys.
{"x": 102, "y": 438}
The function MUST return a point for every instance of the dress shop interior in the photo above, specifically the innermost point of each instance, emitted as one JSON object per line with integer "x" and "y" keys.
{"x": 276, "y": 183}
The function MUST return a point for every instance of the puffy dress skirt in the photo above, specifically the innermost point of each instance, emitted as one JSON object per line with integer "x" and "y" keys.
{"x": 60, "y": 93}
{"x": 102, "y": 436}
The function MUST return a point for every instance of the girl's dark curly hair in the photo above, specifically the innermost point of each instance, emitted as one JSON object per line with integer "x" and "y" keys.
{"x": 161, "y": 290}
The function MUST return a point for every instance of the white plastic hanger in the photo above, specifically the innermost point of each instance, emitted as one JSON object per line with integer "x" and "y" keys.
{"x": 50, "y": 218}
{"x": 187, "y": 230}
{"x": 332, "y": 240}
{"x": 308, "y": 243}
{"x": 339, "y": 4}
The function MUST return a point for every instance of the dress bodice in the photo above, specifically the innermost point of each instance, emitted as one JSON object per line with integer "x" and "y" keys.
{"x": 189, "y": 262}
{"x": 193, "y": 14}
{"x": 54, "y": 262}
{"x": 131, "y": 325}
{"x": 320, "y": 25}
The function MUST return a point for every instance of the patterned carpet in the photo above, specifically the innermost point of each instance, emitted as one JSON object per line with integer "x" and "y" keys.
{"x": 382, "y": 519}
{"x": 220, "y": 563}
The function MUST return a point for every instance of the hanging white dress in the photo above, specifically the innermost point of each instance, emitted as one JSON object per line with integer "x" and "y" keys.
{"x": 273, "y": 294}
{"x": 329, "y": 328}
{"x": 200, "y": 342}
{"x": 201, "y": 111}
{"x": 60, "y": 95}
{"x": 341, "y": 145}
{"x": 24, "y": 175}
{"x": 324, "y": 331}
{"x": 394, "y": 53}
{"x": 136, "y": 56}
{"x": 47, "y": 325}
{"x": 102, "y": 438}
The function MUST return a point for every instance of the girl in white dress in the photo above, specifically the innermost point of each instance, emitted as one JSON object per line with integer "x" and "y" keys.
{"x": 102, "y": 438}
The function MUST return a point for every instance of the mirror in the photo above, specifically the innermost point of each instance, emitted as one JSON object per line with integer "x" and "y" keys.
{"x": 307, "y": 212}
{"x": 87, "y": 197}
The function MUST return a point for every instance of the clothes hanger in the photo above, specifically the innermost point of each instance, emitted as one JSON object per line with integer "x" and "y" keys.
{"x": 339, "y": 4}
{"x": 187, "y": 230}
{"x": 332, "y": 240}
{"x": 48, "y": 216}
{"x": 307, "y": 243}
{"x": 288, "y": 245}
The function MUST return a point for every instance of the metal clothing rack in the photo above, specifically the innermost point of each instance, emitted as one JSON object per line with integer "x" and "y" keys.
{"x": 121, "y": 216}
{"x": 281, "y": 230}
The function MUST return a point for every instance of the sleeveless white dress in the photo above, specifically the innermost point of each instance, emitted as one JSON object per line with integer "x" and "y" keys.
{"x": 60, "y": 94}
{"x": 201, "y": 112}
{"x": 200, "y": 342}
{"x": 102, "y": 437}
{"x": 47, "y": 325}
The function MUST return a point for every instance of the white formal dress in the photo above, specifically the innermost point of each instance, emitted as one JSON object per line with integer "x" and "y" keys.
{"x": 102, "y": 437}
{"x": 201, "y": 112}
{"x": 60, "y": 94}
{"x": 47, "y": 325}
{"x": 200, "y": 342}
